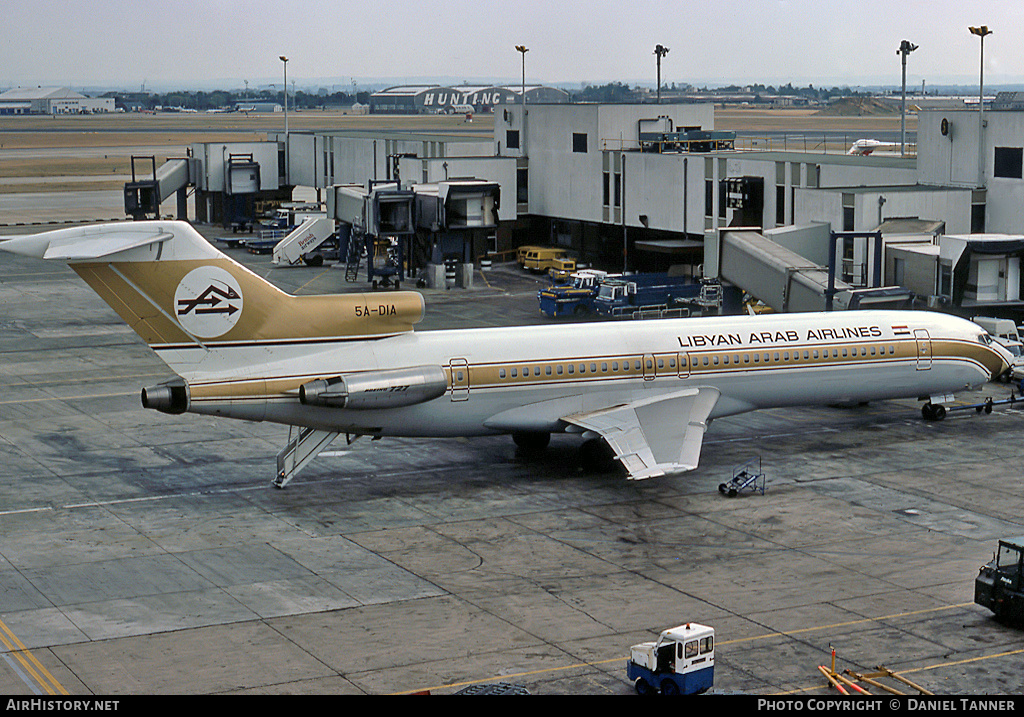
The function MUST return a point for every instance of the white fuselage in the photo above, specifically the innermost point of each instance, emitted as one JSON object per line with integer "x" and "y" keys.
{"x": 511, "y": 379}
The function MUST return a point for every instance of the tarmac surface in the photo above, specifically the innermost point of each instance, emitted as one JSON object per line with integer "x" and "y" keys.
{"x": 145, "y": 554}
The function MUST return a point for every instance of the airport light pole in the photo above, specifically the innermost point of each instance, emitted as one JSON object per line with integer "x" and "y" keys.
{"x": 286, "y": 147}
{"x": 523, "y": 49}
{"x": 906, "y": 47}
{"x": 981, "y": 32}
{"x": 660, "y": 51}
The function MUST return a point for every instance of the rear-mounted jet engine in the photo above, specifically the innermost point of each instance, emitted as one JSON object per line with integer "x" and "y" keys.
{"x": 380, "y": 389}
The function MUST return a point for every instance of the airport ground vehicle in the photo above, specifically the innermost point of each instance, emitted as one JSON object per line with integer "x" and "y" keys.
{"x": 575, "y": 298}
{"x": 998, "y": 585}
{"x": 998, "y": 328}
{"x": 622, "y": 296}
{"x": 1005, "y": 333}
{"x": 680, "y": 662}
{"x": 542, "y": 258}
{"x": 560, "y": 270}
{"x": 1016, "y": 349}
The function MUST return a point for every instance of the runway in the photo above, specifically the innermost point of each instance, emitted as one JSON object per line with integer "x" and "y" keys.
{"x": 149, "y": 554}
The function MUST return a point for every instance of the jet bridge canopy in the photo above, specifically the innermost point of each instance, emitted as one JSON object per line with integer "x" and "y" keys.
{"x": 458, "y": 204}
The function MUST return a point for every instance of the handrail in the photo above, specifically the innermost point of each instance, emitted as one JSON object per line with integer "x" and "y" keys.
{"x": 808, "y": 142}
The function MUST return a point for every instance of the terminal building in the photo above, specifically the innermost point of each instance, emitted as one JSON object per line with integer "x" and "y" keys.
{"x": 642, "y": 187}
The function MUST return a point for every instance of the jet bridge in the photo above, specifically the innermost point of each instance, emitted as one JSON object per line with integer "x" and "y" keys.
{"x": 378, "y": 221}
{"x": 229, "y": 180}
{"x": 400, "y": 229}
{"x": 787, "y": 281}
{"x": 143, "y": 197}
{"x": 454, "y": 218}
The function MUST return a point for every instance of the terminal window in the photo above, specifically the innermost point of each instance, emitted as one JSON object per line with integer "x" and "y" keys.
{"x": 579, "y": 142}
{"x": 1009, "y": 162}
{"x": 512, "y": 138}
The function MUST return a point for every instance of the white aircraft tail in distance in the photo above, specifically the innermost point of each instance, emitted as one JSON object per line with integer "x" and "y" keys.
{"x": 352, "y": 363}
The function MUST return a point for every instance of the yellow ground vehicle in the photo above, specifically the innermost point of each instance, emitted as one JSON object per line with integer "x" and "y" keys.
{"x": 522, "y": 251}
{"x": 542, "y": 258}
{"x": 561, "y": 270}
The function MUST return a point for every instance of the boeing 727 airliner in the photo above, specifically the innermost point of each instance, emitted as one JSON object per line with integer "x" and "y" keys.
{"x": 352, "y": 364}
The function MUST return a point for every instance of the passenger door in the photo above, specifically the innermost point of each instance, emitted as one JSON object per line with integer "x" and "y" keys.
{"x": 924, "y": 349}
{"x": 459, "y": 368}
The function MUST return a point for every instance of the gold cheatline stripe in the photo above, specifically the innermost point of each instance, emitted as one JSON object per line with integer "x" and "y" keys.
{"x": 39, "y": 673}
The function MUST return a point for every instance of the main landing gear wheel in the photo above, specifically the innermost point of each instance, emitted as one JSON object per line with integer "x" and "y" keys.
{"x": 933, "y": 412}
{"x": 531, "y": 442}
{"x": 596, "y": 456}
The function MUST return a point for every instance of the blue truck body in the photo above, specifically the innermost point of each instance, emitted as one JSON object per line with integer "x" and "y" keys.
{"x": 572, "y": 299}
{"x": 621, "y": 297}
{"x": 668, "y": 683}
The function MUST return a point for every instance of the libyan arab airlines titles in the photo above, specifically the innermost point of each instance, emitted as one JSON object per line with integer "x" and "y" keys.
{"x": 780, "y": 337}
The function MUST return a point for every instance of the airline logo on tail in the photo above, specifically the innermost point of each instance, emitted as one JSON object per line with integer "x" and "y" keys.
{"x": 208, "y": 302}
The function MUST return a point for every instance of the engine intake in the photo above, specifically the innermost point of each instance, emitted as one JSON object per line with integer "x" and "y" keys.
{"x": 376, "y": 389}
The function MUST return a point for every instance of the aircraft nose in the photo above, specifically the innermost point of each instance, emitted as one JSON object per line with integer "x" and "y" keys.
{"x": 1000, "y": 362}
{"x": 1004, "y": 366}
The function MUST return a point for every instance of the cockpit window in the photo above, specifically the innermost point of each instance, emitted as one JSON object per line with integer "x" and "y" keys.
{"x": 985, "y": 339}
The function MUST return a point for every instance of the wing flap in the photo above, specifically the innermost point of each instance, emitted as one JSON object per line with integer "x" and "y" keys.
{"x": 657, "y": 435}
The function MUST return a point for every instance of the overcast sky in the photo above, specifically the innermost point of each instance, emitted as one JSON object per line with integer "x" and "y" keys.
{"x": 203, "y": 43}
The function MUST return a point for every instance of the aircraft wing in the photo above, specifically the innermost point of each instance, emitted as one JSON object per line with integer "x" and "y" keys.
{"x": 657, "y": 435}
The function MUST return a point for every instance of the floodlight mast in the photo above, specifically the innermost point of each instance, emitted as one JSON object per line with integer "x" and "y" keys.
{"x": 523, "y": 49}
{"x": 660, "y": 51}
{"x": 981, "y": 32}
{"x": 287, "y": 148}
{"x": 906, "y": 47}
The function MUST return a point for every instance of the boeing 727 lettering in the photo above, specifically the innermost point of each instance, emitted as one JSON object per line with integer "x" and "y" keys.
{"x": 351, "y": 363}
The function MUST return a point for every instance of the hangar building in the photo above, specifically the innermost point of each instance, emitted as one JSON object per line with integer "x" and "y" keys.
{"x": 431, "y": 99}
{"x": 51, "y": 101}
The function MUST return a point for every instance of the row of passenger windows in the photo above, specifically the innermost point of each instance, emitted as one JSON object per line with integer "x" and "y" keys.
{"x": 807, "y": 354}
{"x": 636, "y": 365}
{"x": 573, "y": 368}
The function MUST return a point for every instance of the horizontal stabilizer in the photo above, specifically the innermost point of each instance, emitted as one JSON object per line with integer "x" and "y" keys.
{"x": 654, "y": 436}
{"x": 83, "y": 243}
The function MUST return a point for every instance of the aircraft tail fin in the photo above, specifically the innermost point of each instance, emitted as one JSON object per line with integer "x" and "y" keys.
{"x": 175, "y": 289}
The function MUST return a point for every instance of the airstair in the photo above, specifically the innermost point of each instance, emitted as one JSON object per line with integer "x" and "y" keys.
{"x": 354, "y": 256}
{"x": 302, "y": 240}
